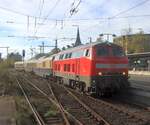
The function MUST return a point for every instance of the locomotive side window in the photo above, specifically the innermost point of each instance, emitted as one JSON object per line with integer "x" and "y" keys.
{"x": 117, "y": 51}
{"x": 57, "y": 57}
{"x": 61, "y": 56}
{"x": 68, "y": 67}
{"x": 55, "y": 66}
{"x": 66, "y": 55}
{"x": 78, "y": 54}
{"x": 70, "y": 54}
{"x": 44, "y": 64}
{"x": 102, "y": 51}
{"x": 72, "y": 67}
{"x": 87, "y": 53}
{"x": 65, "y": 68}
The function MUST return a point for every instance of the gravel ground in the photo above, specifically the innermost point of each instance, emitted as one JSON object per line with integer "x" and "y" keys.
{"x": 7, "y": 111}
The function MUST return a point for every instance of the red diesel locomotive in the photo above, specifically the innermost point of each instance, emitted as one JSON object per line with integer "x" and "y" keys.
{"x": 96, "y": 67}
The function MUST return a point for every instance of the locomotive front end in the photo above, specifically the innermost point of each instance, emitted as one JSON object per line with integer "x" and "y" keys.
{"x": 110, "y": 69}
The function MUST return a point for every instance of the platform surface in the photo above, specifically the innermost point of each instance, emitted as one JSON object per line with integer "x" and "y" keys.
{"x": 7, "y": 111}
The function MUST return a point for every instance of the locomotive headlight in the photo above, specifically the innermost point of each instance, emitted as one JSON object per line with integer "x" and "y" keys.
{"x": 124, "y": 73}
{"x": 100, "y": 73}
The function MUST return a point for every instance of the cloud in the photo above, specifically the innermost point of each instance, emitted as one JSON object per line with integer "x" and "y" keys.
{"x": 12, "y": 24}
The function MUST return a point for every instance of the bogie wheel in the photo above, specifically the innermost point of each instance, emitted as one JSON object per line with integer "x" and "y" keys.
{"x": 71, "y": 84}
{"x": 82, "y": 87}
{"x": 100, "y": 93}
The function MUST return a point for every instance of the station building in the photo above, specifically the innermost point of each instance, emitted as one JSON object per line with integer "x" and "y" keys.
{"x": 134, "y": 43}
{"x": 139, "y": 61}
{"x": 137, "y": 47}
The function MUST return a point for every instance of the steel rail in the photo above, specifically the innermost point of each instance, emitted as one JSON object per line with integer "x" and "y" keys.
{"x": 77, "y": 121}
{"x": 131, "y": 114}
{"x": 96, "y": 115}
{"x": 100, "y": 101}
{"x": 36, "y": 114}
{"x": 53, "y": 101}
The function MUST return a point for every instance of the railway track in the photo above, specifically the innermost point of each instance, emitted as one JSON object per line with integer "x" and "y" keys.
{"x": 78, "y": 111}
{"x": 2, "y": 90}
{"x": 40, "y": 116}
{"x": 87, "y": 110}
{"x": 115, "y": 113}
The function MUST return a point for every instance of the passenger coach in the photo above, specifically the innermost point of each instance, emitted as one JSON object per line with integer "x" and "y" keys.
{"x": 44, "y": 67}
{"x": 19, "y": 65}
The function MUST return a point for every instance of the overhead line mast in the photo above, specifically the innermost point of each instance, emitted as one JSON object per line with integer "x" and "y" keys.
{"x": 7, "y": 47}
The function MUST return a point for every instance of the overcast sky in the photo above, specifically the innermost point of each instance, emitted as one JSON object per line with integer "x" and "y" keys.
{"x": 17, "y": 21}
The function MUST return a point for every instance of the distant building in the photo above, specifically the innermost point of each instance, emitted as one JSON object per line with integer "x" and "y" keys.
{"x": 78, "y": 40}
{"x": 134, "y": 43}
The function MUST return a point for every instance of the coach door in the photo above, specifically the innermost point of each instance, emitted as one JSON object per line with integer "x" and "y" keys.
{"x": 77, "y": 69}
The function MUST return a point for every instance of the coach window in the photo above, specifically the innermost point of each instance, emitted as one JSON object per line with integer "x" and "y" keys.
{"x": 44, "y": 64}
{"x": 87, "y": 53}
{"x": 53, "y": 58}
{"x": 55, "y": 66}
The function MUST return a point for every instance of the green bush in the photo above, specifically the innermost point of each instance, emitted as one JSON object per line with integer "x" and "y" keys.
{"x": 6, "y": 64}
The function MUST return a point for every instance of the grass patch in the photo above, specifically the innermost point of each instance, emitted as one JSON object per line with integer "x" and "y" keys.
{"x": 24, "y": 115}
{"x": 6, "y": 64}
{"x": 51, "y": 113}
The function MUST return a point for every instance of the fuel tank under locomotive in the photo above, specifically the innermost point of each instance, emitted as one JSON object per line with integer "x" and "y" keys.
{"x": 105, "y": 84}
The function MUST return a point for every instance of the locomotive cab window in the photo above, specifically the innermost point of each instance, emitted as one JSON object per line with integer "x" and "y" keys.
{"x": 117, "y": 51}
{"x": 102, "y": 51}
